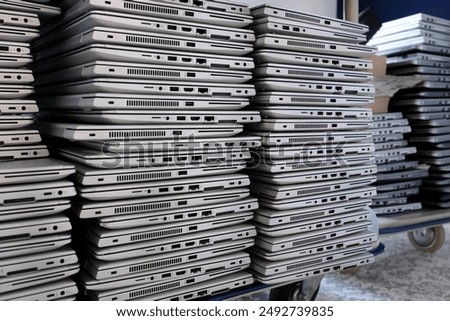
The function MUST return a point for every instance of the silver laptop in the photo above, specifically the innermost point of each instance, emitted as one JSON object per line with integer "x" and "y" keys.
{"x": 34, "y": 171}
{"x": 12, "y": 122}
{"x": 391, "y": 123}
{"x": 440, "y": 161}
{"x": 217, "y": 12}
{"x": 270, "y": 24}
{"x": 285, "y": 13}
{"x": 310, "y": 176}
{"x": 14, "y": 48}
{"x": 89, "y": 176}
{"x": 319, "y": 199}
{"x": 78, "y": 132}
{"x": 304, "y": 99}
{"x": 44, "y": 11}
{"x": 406, "y": 34}
{"x": 121, "y": 287}
{"x": 391, "y": 131}
{"x": 331, "y": 266}
{"x": 202, "y": 289}
{"x": 102, "y": 237}
{"x": 178, "y": 215}
{"x": 403, "y": 175}
{"x": 391, "y": 145}
{"x": 282, "y": 192}
{"x": 406, "y": 192}
{"x": 431, "y": 123}
{"x": 141, "y": 102}
{"x": 316, "y": 224}
{"x": 18, "y": 34}
{"x": 124, "y": 21}
{"x": 150, "y": 87}
{"x": 16, "y": 76}
{"x": 321, "y": 213}
{"x": 18, "y": 107}
{"x": 29, "y": 264}
{"x": 205, "y": 144}
{"x": 417, "y": 17}
{"x": 19, "y": 137}
{"x": 119, "y": 269}
{"x": 430, "y": 115}
{"x": 85, "y": 209}
{"x": 313, "y": 86}
{"x": 365, "y": 238}
{"x": 115, "y": 69}
{"x": 138, "y": 54}
{"x": 287, "y": 242}
{"x": 16, "y": 18}
{"x": 39, "y": 244}
{"x": 293, "y": 43}
{"x": 389, "y": 187}
{"x": 164, "y": 187}
{"x": 302, "y": 139}
{"x": 13, "y": 153}
{"x": 305, "y": 72}
{"x": 414, "y": 44}
{"x": 420, "y": 59}
{"x": 147, "y": 40}
{"x": 270, "y": 268}
{"x": 198, "y": 241}
{"x": 144, "y": 117}
{"x": 389, "y": 202}
{"x": 384, "y": 154}
{"x": 292, "y": 125}
{"x": 13, "y": 60}
{"x": 387, "y": 116}
{"x": 297, "y": 112}
{"x": 31, "y": 210}
{"x": 35, "y": 192}
{"x": 310, "y": 59}
{"x": 101, "y": 159}
{"x": 434, "y": 152}
{"x": 45, "y": 292}
{"x": 15, "y": 91}
{"x": 388, "y": 137}
{"x": 434, "y": 139}
{"x": 419, "y": 70}
{"x": 294, "y": 153}
{"x": 396, "y": 209}
{"x": 397, "y": 166}
{"x": 385, "y": 31}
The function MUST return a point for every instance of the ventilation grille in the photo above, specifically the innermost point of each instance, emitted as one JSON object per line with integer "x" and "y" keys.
{"x": 306, "y": 216}
{"x": 305, "y": 44}
{"x": 141, "y": 177}
{"x": 314, "y": 190}
{"x": 305, "y": 73}
{"x": 148, "y": 8}
{"x": 138, "y": 133}
{"x": 152, "y": 41}
{"x": 152, "y": 103}
{"x": 300, "y": 17}
{"x": 154, "y": 73}
{"x": 305, "y": 139}
{"x": 150, "y": 235}
{"x": 310, "y": 240}
{"x": 155, "y": 289}
{"x": 308, "y": 100}
{"x": 310, "y": 126}
{"x": 149, "y": 266}
{"x": 141, "y": 208}
{"x": 304, "y": 264}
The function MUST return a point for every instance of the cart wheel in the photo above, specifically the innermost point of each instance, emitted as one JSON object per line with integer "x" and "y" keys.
{"x": 428, "y": 240}
{"x": 293, "y": 292}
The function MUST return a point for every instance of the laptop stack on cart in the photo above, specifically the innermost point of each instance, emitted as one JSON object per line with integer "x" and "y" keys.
{"x": 399, "y": 174}
{"x": 147, "y": 97}
{"x": 418, "y": 45}
{"x": 312, "y": 174}
{"x": 35, "y": 260}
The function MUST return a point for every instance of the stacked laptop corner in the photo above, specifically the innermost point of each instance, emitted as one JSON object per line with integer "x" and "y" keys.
{"x": 312, "y": 174}
{"x": 147, "y": 102}
{"x": 36, "y": 261}
{"x": 418, "y": 46}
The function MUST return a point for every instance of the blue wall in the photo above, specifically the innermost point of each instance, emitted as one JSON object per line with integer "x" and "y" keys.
{"x": 387, "y": 10}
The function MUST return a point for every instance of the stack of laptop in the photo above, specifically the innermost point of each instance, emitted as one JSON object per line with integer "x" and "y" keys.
{"x": 146, "y": 98}
{"x": 35, "y": 259}
{"x": 419, "y": 45}
{"x": 399, "y": 174}
{"x": 313, "y": 172}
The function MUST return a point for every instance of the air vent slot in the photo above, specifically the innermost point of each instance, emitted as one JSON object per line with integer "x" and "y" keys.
{"x": 300, "y": 17}
{"x": 305, "y": 44}
{"x": 141, "y": 177}
{"x": 152, "y": 41}
{"x": 310, "y": 126}
{"x": 152, "y": 103}
{"x": 150, "y": 235}
{"x": 307, "y": 100}
{"x": 148, "y": 8}
{"x": 304, "y": 264}
{"x": 139, "y": 133}
{"x": 149, "y": 266}
{"x": 152, "y": 72}
{"x": 305, "y": 139}
{"x": 155, "y": 289}
{"x": 305, "y": 73}
{"x": 306, "y": 216}
{"x": 310, "y": 240}
{"x": 141, "y": 208}
{"x": 314, "y": 190}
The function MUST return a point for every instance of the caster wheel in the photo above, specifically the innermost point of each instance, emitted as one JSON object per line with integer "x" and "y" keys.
{"x": 293, "y": 292}
{"x": 428, "y": 240}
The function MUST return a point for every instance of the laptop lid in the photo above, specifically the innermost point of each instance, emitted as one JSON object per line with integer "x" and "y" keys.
{"x": 281, "y": 125}
{"x": 31, "y": 210}
{"x": 12, "y": 122}
{"x": 296, "y": 112}
{"x": 15, "y": 92}
{"x": 45, "y": 292}
{"x": 19, "y": 137}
